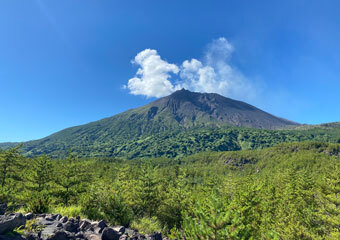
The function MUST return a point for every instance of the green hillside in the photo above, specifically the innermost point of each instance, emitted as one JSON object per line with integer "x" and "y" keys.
{"x": 7, "y": 145}
{"x": 179, "y": 143}
{"x": 176, "y": 126}
{"x": 175, "y": 114}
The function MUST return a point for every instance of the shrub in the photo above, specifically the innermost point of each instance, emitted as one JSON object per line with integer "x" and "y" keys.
{"x": 107, "y": 204}
{"x": 90, "y": 205}
{"x": 147, "y": 225}
{"x": 38, "y": 203}
{"x": 69, "y": 211}
{"x": 116, "y": 211}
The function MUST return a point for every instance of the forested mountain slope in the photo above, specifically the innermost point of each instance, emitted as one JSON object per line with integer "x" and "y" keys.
{"x": 176, "y": 113}
{"x": 180, "y": 143}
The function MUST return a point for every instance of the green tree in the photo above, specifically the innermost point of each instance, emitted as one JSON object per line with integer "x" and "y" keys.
{"x": 71, "y": 177}
{"x": 246, "y": 210}
{"x": 38, "y": 181}
{"x": 147, "y": 188}
{"x": 210, "y": 219}
{"x": 175, "y": 200}
{"x": 330, "y": 197}
{"x": 115, "y": 210}
{"x": 297, "y": 208}
{"x": 40, "y": 173}
{"x": 10, "y": 163}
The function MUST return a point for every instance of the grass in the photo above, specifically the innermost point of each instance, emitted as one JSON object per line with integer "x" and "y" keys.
{"x": 147, "y": 225}
{"x": 70, "y": 211}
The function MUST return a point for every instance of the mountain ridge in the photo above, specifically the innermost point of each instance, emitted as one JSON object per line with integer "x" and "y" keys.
{"x": 177, "y": 112}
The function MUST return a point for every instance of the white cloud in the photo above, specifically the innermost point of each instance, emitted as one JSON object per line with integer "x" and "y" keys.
{"x": 152, "y": 78}
{"x": 213, "y": 73}
{"x": 218, "y": 50}
{"x": 197, "y": 77}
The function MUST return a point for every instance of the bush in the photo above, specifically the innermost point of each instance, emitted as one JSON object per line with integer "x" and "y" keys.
{"x": 38, "y": 203}
{"x": 69, "y": 211}
{"x": 147, "y": 225}
{"x": 90, "y": 204}
{"x": 107, "y": 204}
{"x": 116, "y": 211}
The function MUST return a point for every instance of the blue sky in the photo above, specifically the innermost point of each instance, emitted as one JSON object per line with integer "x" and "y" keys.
{"x": 65, "y": 63}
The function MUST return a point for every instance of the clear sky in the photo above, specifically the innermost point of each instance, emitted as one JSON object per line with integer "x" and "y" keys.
{"x": 69, "y": 62}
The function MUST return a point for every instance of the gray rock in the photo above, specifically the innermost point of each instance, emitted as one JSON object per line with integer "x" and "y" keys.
{"x": 49, "y": 230}
{"x": 43, "y": 221}
{"x": 32, "y": 236}
{"x": 120, "y": 229}
{"x": 9, "y": 222}
{"x": 59, "y": 235}
{"x": 49, "y": 219}
{"x": 98, "y": 226}
{"x": 50, "y": 216}
{"x": 124, "y": 237}
{"x": 64, "y": 219}
{"x": 14, "y": 237}
{"x": 102, "y": 224}
{"x": 84, "y": 225}
{"x": 130, "y": 232}
{"x": 92, "y": 236}
{"x": 80, "y": 235}
{"x": 58, "y": 217}
{"x": 29, "y": 216}
{"x": 154, "y": 236}
{"x": 96, "y": 230}
{"x": 70, "y": 226}
{"x": 137, "y": 236}
{"x": 110, "y": 234}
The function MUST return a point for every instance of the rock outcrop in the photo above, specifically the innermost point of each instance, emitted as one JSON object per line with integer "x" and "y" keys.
{"x": 56, "y": 227}
{"x": 10, "y": 222}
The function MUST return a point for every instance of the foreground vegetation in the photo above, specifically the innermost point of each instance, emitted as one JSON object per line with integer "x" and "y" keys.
{"x": 289, "y": 191}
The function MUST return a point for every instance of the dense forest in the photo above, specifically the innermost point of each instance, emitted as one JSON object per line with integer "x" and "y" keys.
{"x": 288, "y": 191}
{"x": 176, "y": 143}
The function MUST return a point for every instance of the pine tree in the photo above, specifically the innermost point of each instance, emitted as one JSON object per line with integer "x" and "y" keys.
{"x": 175, "y": 200}
{"x": 10, "y": 162}
{"x": 210, "y": 219}
{"x": 72, "y": 176}
{"x": 38, "y": 181}
{"x": 246, "y": 210}
{"x": 40, "y": 173}
{"x": 126, "y": 184}
{"x": 330, "y": 211}
{"x": 296, "y": 212}
{"x": 148, "y": 189}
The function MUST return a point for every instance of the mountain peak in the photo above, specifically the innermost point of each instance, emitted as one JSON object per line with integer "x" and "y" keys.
{"x": 195, "y": 109}
{"x": 183, "y": 93}
{"x": 179, "y": 111}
